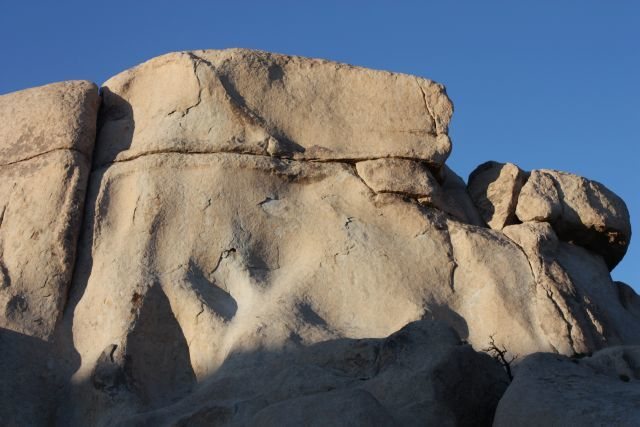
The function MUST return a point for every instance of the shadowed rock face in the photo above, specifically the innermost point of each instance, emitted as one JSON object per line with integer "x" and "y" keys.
{"x": 257, "y": 233}
{"x": 555, "y": 390}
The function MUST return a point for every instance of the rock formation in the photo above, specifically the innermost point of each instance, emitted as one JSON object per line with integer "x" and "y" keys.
{"x": 264, "y": 239}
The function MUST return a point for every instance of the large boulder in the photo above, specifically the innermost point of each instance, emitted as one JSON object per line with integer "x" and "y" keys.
{"x": 255, "y": 102}
{"x": 46, "y": 140}
{"x": 581, "y": 211}
{"x": 552, "y": 390}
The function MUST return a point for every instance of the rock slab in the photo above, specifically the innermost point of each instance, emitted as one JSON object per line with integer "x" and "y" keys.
{"x": 253, "y": 102}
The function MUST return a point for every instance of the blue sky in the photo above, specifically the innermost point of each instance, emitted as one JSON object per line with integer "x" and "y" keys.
{"x": 543, "y": 84}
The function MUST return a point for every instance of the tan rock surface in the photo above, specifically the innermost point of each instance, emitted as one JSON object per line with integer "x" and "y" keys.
{"x": 494, "y": 188}
{"x": 255, "y": 102}
{"x": 402, "y": 176}
{"x": 46, "y": 138}
{"x": 47, "y": 118}
{"x": 413, "y": 179}
{"x": 539, "y": 199}
{"x": 581, "y": 211}
{"x": 257, "y": 230}
{"x": 553, "y": 390}
{"x": 573, "y": 287}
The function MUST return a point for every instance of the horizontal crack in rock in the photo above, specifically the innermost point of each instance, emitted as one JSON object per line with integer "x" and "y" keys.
{"x": 350, "y": 161}
{"x": 44, "y": 153}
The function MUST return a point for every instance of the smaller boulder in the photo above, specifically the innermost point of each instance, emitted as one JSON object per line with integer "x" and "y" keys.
{"x": 494, "y": 188}
{"x": 402, "y": 176}
{"x": 581, "y": 211}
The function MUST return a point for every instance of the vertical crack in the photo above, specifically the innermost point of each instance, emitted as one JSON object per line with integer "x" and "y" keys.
{"x": 549, "y": 294}
{"x": 196, "y": 62}
{"x": 426, "y": 106}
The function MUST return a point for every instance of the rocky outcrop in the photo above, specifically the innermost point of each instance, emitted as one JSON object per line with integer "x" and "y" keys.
{"x": 581, "y": 211}
{"x": 252, "y": 216}
{"x": 46, "y": 141}
{"x": 553, "y": 390}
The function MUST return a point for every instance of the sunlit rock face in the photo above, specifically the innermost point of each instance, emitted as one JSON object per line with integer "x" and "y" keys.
{"x": 261, "y": 239}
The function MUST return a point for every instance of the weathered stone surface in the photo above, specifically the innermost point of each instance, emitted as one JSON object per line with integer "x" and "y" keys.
{"x": 52, "y": 117}
{"x": 497, "y": 292}
{"x": 553, "y": 390}
{"x": 420, "y": 374}
{"x": 255, "y": 226}
{"x": 255, "y": 102}
{"x": 46, "y": 138}
{"x": 494, "y": 188}
{"x": 215, "y": 251}
{"x": 574, "y": 292}
{"x": 402, "y": 176}
{"x": 413, "y": 179}
{"x": 40, "y": 211}
{"x": 581, "y": 211}
{"x": 539, "y": 199}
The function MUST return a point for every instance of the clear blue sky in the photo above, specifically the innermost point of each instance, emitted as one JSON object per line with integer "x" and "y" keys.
{"x": 543, "y": 84}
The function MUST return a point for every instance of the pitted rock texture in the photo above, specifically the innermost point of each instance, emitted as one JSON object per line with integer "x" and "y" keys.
{"x": 46, "y": 141}
{"x": 254, "y": 226}
{"x": 553, "y": 390}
